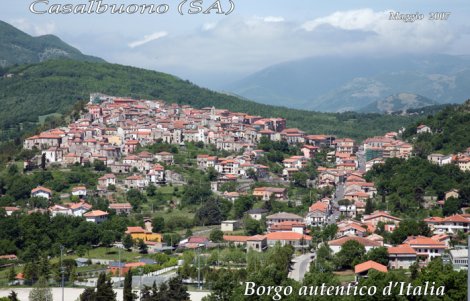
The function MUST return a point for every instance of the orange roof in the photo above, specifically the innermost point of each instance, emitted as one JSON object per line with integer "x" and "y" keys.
{"x": 134, "y": 264}
{"x": 440, "y": 237}
{"x": 365, "y": 266}
{"x": 135, "y": 230}
{"x": 433, "y": 219}
{"x": 287, "y": 236}
{"x": 353, "y": 226}
{"x": 120, "y": 206}
{"x": 319, "y": 206}
{"x": 95, "y": 213}
{"x": 401, "y": 249}
{"x": 236, "y": 238}
{"x": 287, "y": 225}
{"x": 424, "y": 241}
{"x": 256, "y": 238}
{"x": 107, "y": 176}
{"x": 40, "y": 188}
{"x": 80, "y": 204}
{"x": 363, "y": 241}
{"x": 132, "y": 142}
{"x": 11, "y": 208}
{"x": 380, "y": 213}
{"x": 456, "y": 219}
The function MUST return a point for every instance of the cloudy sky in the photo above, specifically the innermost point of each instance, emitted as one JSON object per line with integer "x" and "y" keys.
{"x": 212, "y": 49}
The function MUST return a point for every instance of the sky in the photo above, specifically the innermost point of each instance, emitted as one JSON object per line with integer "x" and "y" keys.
{"x": 215, "y": 49}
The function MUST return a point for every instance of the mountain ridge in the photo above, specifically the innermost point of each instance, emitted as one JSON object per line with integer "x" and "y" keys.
{"x": 18, "y": 47}
{"x": 399, "y": 103}
{"x": 337, "y": 84}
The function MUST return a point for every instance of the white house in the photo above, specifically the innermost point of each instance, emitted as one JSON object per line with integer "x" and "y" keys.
{"x": 41, "y": 192}
{"x": 426, "y": 248}
{"x": 58, "y": 209}
{"x": 96, "y": 216}
{"x": 79, "y": 209}
{"x": 106, "y": 180}
{"x": 121, "y": 208}
{"x": 79, "y": 191}
{"x": 336, "y": 245}
{"x": 401, "y": 257}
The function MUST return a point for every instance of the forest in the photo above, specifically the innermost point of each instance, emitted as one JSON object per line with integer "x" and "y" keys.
{"x": 450, "y": 131}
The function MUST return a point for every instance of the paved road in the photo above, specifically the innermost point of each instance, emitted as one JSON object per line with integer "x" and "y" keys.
{"x": 300, "y": 267}
{"x": 361, "y": 159}
{"x": 339, "y": 195}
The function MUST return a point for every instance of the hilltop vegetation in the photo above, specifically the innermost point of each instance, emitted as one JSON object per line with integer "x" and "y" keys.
{"x": 55, "y": 86}
{"x": 17, "y": 47}
{"x": 403, "y": 185}
{"x": 450, "y": 131}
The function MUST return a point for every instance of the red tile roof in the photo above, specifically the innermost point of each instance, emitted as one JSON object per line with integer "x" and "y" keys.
{"x": 401, "y": 249}
{"x": 40, "y": 188}
{"x": 287, "y": 236}
{"x": 365, "y": 266}
{"x": 236, "y": 238}
{"x": 319, "y": 206}
{"x": 95, "y": 213}
{"x": 363, "y": 241}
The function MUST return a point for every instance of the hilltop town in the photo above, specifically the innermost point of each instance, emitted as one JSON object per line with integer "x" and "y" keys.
{"x": 162, "y": 183}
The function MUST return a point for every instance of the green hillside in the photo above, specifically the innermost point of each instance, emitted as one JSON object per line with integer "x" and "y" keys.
{"x": 54, "y": 86}
{"x": 451, "y": 131}
{"x": 17, "y": 47}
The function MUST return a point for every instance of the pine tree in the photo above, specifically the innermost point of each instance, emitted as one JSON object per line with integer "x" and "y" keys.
{"x": 177, "y": 291}
{"x": 88, "y": 294}
{"x": 44, "y": 267}
{"x": 369, "y": 207}
{"x": 128, "y": 294}
{"x": 143, "y": 249}
{"x": 104, "y": 289}
{"x": 150, "y": 293}
{"x": 127, "y": 242}
{"x": 12, "y": 274}
{"x": 31, "y": 272}
{"x": 41, "y": 291}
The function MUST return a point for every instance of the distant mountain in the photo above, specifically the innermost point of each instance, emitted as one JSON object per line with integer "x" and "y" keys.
{"x": 336, "y": 84}
{"x": 401, "y": 102}
{"x": 17, "y": 47}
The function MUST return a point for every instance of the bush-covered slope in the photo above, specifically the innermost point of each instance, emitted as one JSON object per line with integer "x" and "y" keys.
{"x": 450, "y": 131}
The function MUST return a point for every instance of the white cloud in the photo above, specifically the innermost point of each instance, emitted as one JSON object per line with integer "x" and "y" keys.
{"x": 35, "y": 29}
{"x": 148, "y": 38}
{"x": 272, "y": 19}
{"x": 209, "y": 26}
{"x": 348, "y": 20}
{"x": 238, "y": 45}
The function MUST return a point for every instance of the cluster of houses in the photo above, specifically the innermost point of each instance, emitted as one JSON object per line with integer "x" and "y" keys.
{"x": 112, "y": 129}
{"x": 287, "y": 228}
{"x": 79, "y": 208}
{"x": 462, "y": 160}
{"x": 377, "y": 149}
